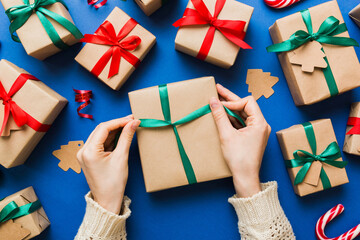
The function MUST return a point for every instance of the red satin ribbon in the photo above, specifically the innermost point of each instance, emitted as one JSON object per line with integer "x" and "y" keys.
{"x": 99, "y": 5}
{"x": 120, "y": 46}
{"x": 83, "y": 96}
{"x": 353, "y": 121}
{"x": 231, "y": 29}
{"x": 20, "y": 116}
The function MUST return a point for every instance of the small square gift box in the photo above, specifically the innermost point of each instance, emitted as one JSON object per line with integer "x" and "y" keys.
{"x": 116, "y": 49}
{"x": 178, "y": 139}
{"x": 44, "y": 27}
{"x": 213, "y": 30}
{"x": 355, "y": 15}
{"x": 316, "y": 53}
{"x": 352, "y": 137}
{"x": 312, "y": 156}
{"x": 22, "y": 216}
{"x": 150, "y": 6}
{"x": 27, "y": 111}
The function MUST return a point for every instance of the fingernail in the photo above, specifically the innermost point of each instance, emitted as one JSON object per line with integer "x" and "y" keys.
{"x": 135, "y": 124}
{"x": 214, "y": 103}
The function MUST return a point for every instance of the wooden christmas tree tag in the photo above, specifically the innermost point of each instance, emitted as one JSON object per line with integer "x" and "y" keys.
{"x": 260, "y": 83}
{"x": 10, "y": 230}
{"x": 10, "y": 125}
{"x": 67, "y": 156}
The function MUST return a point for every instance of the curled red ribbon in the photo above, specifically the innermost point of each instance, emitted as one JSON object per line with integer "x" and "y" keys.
{"x": 99, "y": 5}
{"x": 120, "y": 46}
{"x": 355, "y": 122}
{"x": 10, "y": 107}
{"x": 231, "y": 29}
{"x": 83, "y": 96}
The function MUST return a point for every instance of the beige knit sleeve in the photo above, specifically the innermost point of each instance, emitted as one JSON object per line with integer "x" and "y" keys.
{"x": 261, "y": 216}
{"x": 100, "y": 224}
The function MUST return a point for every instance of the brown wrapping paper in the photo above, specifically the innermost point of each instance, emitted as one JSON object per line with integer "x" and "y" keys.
{"x": 355, "y": 15}
{"x": 160, "y": 158}
{"x": 294, "y": 138}
{"x": 35, "y": 98}
{"x": 149, "y": 6}
{"x": 223, "y": 52}
{"x": 352, "y": 142}
{"x": 91, "y": 53}
{"x": 309, "y": 88}
{"x": 33, "y": 36}
{"x": 37, "y": 221}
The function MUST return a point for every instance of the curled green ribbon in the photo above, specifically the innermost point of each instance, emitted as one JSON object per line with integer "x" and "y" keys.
{"x": 305, "y": 159}
{"x": 13, "y": 211}
{"x": 155, "y": 123}
{"x": 19, "y": 14}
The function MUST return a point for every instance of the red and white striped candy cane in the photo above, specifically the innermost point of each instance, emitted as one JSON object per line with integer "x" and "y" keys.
{"x": 327, "y": 217}
{"x": 280, "y": 3}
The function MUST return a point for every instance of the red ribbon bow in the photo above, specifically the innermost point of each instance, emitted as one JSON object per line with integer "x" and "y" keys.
{"x": 353, "y": 121}
{"x": 120, "y": 46}
{"x": 83, "y": 96}
{"x": 20, "y": 116}
{"x": 231, "y": 29}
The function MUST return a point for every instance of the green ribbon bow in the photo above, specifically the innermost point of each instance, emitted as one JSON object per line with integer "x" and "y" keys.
{"x": 155, "y": 123}
{"x": 13, "y": 211}
{"x": 305, "y": 159}
{"x": 326, "y": 34}
{"x": 19, "y": 14}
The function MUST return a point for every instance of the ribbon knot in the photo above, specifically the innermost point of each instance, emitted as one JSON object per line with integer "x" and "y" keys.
{"x": 6, "y": 99}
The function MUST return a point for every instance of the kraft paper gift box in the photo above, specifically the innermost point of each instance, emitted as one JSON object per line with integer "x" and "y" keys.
{"x": 37, "y": 100}
{"x": 33, "y": 35}
{"x": 355, "y": 15}
{"x": 37, "y": 221}
{"x": 150, "y": 6}
{"x": 352, "y": 137}
{"x": 162, "y": 164}
{"x": 92, "y": 53}
{"x": 311, "y": 87}
{"x": 223, "y": 52}
{"x": 318, "y": 139}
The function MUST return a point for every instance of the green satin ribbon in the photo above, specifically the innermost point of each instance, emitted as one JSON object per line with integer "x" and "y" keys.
{"x": 19, "y": 14}
{"x": 305, "y": 159}
{"x": 326, "y": 34}
{"x": 156, "y": 123}
{"x": 13, "y": 211}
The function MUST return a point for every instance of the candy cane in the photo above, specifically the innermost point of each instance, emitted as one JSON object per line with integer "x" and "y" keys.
{"x": 327, "y": 217}
{"x": 280, "y": 3}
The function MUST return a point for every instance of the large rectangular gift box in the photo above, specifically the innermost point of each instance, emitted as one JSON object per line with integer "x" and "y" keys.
{"x": 192, "y": 39}
{"x": 150, "y": 6}
{"x": 341, "y": 71}
{"x": 352, "y": 137}
{"x": 312, "y": 156}
{"x": 35, "y": 220}
{"x": 355, "y": 14}
{"x": 33, "y": 35}
{"x": 162, "y": 163}
{"x": 92, "y": 56}
{"x": 41, "y": 104}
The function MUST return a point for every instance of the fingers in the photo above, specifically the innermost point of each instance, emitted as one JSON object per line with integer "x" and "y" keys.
{"x": 247, "y": 104}
{"x": 221, "y": 119}
{"x": 226, "y": 94}
{"x": 126, "y": 137}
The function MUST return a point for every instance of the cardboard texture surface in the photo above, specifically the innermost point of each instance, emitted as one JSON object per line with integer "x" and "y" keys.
{"x": 355, "y": 15}
{"x": 33, "y": 36}
{"x": 159, "y": 153}
{"x": 149, "y": 6}
{"x": 35, "y": 98}
{"x": 223, "y": 52}
{"x": 35, "y": 222}
{"x": 260, "y": 83}
{"x": 294, "y": 138}
{"x": 352, "y": 142}
{"x": 67, "y": 156}
{"x": 91, "y": 53}
{"x": 13, "y": 231}
{"x": 311, "y": 88}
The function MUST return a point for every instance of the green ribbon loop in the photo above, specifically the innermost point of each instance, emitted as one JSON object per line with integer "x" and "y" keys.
{"x": 305, "y": 159}
{"x": 156, "y": 123}
{"x": 19, "y": 14}
{"x": 13, "y": 211}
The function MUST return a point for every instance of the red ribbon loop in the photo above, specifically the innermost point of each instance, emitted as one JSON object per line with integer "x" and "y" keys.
{"x": 10, "y": 107}
{"x": 96, "y": 4}
{"x": 231, "y": 29}
{"x": 355, "y": 122}
{"x": 83, "y": 96}
{"x": 120, "y": 46}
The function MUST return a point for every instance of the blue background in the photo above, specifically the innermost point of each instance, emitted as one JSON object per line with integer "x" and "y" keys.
{"x": 200, "y": 211}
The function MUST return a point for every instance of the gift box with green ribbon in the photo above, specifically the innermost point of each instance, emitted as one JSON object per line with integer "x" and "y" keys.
{"x": 319, "y": 31}
{"x": 178, "y": 139}
{"x": 312, "y": 156}
{"x": 44, "y": 27}
{"x": 25, "y": 209}
{"x": 150, "y": 6}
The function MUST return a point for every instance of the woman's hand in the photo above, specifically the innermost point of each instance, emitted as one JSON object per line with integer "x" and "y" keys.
{"x": 106, "y": 168}
{"x": 243, "y": 148}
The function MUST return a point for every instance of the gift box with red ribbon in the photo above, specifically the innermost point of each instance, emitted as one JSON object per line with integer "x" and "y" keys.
{"x": 352, "y": 137}
{"x": 116, "y": 49}
{"x": 150, "y": 6}
{"x": 213, "y": 30}
{"x": 27, "y": 111}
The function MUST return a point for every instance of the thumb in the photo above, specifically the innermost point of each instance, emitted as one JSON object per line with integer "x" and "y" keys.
{"x": 221, "y": 119}
{"x": 126, "y": 137}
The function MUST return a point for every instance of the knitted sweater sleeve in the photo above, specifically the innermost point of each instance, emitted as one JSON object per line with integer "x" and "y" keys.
{"x": 100, "y": 224}
{"x": 261, "y": 216}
